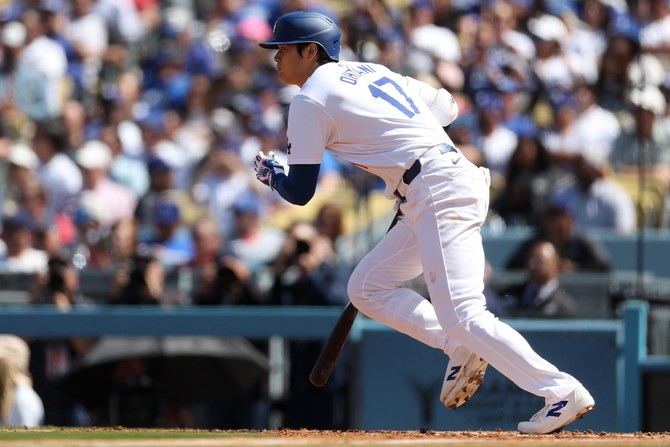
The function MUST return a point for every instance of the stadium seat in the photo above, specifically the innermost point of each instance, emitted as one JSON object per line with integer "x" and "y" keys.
{"x": 650, "y": 196}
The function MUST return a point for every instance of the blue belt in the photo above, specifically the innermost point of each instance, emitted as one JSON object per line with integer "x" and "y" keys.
{"x": 414, "y": 170}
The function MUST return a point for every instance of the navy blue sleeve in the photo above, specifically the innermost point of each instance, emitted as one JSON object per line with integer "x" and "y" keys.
{"x": 299, "y": 185}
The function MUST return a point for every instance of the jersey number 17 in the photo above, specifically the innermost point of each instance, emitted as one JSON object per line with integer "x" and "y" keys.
{"x": 395, "y": 96}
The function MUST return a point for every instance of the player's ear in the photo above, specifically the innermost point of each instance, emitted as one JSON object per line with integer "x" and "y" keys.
{"x": 312, "y": 51}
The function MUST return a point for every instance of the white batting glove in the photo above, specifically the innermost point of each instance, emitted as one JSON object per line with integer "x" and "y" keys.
{"x": 267, "y": 167}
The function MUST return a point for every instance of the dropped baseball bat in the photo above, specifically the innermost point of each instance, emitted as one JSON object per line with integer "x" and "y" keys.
{"x": 330, "y": 352}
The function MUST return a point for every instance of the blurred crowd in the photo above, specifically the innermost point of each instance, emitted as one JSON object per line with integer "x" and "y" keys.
{"x": 128, "y": 130}
{"x": 133, "y": 124}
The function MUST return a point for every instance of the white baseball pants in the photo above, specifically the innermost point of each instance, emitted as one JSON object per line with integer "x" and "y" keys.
{"x": 440, "y": 236}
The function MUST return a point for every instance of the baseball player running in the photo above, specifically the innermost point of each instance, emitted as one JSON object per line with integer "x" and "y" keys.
{"x": 392, "y": 126}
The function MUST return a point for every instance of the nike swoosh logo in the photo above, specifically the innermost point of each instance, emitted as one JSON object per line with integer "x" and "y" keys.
{"x": 456, "y": 160}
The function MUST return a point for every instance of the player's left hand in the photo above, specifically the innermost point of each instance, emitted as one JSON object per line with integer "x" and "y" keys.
{"x": 267, "y": 168}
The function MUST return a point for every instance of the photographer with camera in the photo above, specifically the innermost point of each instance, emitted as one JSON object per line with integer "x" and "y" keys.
{"x": 223, "y": 278}
{"x": 305, "y": 270}
{"x": 52, "y": 359}
{"x": 307, "y": 274}
{"x": 139, "y": 281}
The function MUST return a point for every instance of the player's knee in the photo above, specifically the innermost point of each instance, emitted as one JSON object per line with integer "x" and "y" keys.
{"x": 367, "y": 284}
{"x": 361, "y": 287}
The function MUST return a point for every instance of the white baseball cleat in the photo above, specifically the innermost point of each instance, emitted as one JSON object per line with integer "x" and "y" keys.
{"x": 557, "y": 415}
{"x": 465, "y": 372}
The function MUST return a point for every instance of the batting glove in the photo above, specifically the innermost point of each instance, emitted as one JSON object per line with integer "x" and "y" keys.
{"x": 267, "y": 168}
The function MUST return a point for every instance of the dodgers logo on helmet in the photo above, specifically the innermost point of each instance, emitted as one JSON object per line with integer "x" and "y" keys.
{"x": 306, "y": 27}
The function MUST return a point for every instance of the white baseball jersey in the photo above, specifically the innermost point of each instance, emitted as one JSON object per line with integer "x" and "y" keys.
{"x": 384, "y": 122}
{"x": 367, "y": 115}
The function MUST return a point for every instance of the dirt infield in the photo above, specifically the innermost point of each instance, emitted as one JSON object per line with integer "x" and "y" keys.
{"x": 120, "y": 437}
{"x": 477, "y": 437}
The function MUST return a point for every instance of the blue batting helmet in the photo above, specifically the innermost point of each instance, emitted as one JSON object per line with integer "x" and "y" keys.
{"x": 306, "y": 26}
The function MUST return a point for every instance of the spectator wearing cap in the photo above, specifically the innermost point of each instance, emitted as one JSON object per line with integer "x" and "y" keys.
{"x": 22, "y": 88}
{"x": 597, "y": 202}
{"x": 158, "y": 141}
{"x": 54, "y": 13}
{"x": 496, "y": 142}
{"x": 161, "y": 184}
{"x": 220, "y": 181}
{"x": 23, "y": 164}
{"x": 561, "y": 138}
{"x": 254, "y": 243}
{"x": 94, "y": 159}
{"x": 57, "y": 172}
{"x": 168, "y": 82}
{"x": 552, "y": 66}
{"x": 126, "y": 170}
{"x": 645, "y": 147}
{"x": 170, "y": 241}
{"x": 246, "y": 110}
{"x": 21, "y": 256}
{"x": 516, "y": 100}
{"x": 578, "y": 251}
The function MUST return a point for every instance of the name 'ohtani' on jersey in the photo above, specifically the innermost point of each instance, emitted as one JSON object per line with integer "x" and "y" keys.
{"x": 352, "y": 74}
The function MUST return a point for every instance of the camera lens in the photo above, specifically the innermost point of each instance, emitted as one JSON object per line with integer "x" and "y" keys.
{"x": 301, "y": 247}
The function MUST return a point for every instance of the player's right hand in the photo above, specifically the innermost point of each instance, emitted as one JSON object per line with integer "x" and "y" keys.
{"x": 267, "y": 168}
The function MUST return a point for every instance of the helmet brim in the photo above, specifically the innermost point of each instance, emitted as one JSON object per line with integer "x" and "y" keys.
{"x": 274, "y": 44}
{"x": 270, "y": 44}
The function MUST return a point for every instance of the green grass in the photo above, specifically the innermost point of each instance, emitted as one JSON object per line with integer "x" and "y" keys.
{"x": 128, "y": 437}
{"x": 124, "y": 437}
